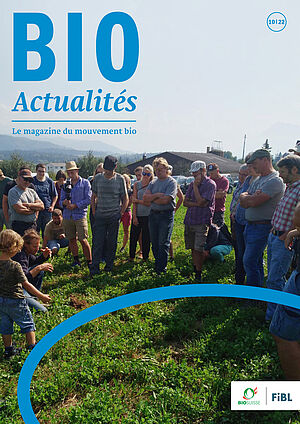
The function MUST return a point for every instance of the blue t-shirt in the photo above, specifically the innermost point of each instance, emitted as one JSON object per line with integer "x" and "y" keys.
{"x": 46, "y": 190}
{"x": 167, "y": 186}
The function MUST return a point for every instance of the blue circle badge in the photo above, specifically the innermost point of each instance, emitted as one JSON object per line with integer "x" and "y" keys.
{"x": 276, "y": 21}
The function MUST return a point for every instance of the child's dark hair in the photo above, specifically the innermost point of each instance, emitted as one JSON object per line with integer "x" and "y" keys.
{"x": 10, "y": 242}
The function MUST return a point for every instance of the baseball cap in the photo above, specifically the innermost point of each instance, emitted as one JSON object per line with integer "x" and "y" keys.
{"x": 198, "y": 164}
{"x": 110, "y": 162}
{"x": 26, "y": 174}
{"x": 259, "y": 154}
{"x": 212, "y": 167}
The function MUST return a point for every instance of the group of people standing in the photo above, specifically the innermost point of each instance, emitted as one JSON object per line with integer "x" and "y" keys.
{"x": 263, "y": 212}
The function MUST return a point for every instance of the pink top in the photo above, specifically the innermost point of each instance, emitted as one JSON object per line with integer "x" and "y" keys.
{"x": 222, "y": 184}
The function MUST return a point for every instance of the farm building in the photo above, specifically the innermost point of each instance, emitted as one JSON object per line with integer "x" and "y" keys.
{"x": 181, "y": 162}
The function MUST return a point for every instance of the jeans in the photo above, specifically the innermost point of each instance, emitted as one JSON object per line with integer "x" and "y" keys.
{"x": 256, "y": 238}
{"x": 15, "y": 310}
{"x": 239, "y": 252}
{"x": 279, "y": 261}
{"x": 286, "y": 320}
{"x": 33, "y": 303}
{"x": 143, "y": 225}
{"x": 37, "y": 283}
{"x": 43, "y": 218}
{"x": 105, "y": 236}
{"x": 161, "y": 226}
{"x": 57, "y": 244}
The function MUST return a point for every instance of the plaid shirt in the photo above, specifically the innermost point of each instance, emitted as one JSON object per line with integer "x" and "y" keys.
{"x": 283, "y": 215}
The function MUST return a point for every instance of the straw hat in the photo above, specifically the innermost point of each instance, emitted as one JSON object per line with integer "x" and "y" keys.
{"x": 70, "y": 166}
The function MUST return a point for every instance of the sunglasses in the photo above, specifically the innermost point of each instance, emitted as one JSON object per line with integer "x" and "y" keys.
{"x": 27, "y": 180}
{"x": 146, "y": 173}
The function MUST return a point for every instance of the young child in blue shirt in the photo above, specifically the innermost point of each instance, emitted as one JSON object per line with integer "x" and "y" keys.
{"x": 13, "y": 305}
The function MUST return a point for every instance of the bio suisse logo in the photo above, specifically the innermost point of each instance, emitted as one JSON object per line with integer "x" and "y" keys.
{"x": 249, "y": 393}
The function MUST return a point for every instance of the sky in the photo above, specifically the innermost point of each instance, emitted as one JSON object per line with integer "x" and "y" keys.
{"x": 207, "y": 71}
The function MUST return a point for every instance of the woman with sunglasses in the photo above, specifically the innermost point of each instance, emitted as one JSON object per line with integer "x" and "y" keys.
{"x": 140, "y": 214}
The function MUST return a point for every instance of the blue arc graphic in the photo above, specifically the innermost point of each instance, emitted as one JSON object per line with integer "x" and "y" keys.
{"x": 133, "y": 299}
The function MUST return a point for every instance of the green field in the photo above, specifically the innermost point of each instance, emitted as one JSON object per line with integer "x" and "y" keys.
{"x": 159, "y": 363}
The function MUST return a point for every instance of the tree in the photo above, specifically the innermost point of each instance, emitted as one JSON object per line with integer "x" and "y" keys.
{"x": 11, "y": 166}
{"x": 229, "y": 155}
{"x": 267, "y": 146}
{"x": 88, "y": 164}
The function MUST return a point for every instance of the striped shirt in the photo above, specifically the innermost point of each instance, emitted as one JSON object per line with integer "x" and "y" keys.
{"x": 283, "y": 215}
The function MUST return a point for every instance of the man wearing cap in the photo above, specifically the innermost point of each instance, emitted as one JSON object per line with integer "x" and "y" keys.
{"x": 75, "y": 205}
{"x": 222, "y": 184}
{"x": 279, "y": 257}
{"x": 109, "y": 202}
{"x": 3, "y": 181}
{"x": 54, "y": 236}
{"x": 47, "y": 192}
{"x": 9, "y": 185}
{"x": 24, "y": 203}
{"x": 200, "y": 203}
{"x": 260, "y": 202}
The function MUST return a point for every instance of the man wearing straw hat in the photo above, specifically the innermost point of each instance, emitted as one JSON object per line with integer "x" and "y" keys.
{"x": 75, "y": 198}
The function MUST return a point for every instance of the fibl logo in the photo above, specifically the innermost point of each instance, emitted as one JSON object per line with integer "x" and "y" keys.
{"x": 281, "y": 397}
{"x": 249, "y": 394}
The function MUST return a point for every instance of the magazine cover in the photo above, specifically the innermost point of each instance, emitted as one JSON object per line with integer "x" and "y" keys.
{"x": 149, "y": 181}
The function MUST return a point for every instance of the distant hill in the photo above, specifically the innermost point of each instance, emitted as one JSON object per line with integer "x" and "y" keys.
{"x": 11, "y": 143}
{"x": 46, "y": 151}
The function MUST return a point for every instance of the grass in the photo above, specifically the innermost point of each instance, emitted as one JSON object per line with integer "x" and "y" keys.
{"x": 165, "y": 362}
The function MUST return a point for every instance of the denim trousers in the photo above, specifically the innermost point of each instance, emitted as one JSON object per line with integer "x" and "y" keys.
{"x": 43, "y": 218}
{"x": 239, "y": 252}
{"x": 105, "y": 236}
{"x": 256, "y": 238}
{"x": 279, "y": 261}
{"x": 57, "y": 244}
{"x": 160, "y": 227}
{"x": 37, "y": 283}
{"x": 143, "y": 225}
